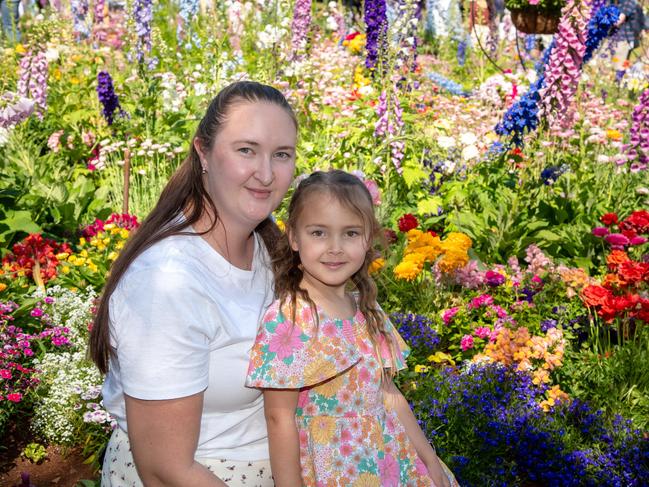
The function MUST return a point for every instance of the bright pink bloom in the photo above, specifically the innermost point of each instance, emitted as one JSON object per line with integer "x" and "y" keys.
{"x": 600, "y": 231}
{"x": 482, "y": 332}
{"x": 15, "y": 397}
{"x": 448, "y": 315}
{"x": 5, "y": 373}
{"x": 466, "y": 342}
{"x": 617, "y": 239}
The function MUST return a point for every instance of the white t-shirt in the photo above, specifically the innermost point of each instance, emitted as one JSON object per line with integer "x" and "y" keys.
{"x": 183, "y": 320}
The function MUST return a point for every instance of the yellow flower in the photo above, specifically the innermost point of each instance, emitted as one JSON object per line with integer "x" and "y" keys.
{"x": 323, "y": 429}
{"x": 82, "y": 242}
{"x": 614, "y": 134}
{"x": 20, "y": 49}
{"x": 457, "y": 239}
{"x": 407, "y": 270}
{"x": 281, "y": 225}
{"x": 62, "y": 256}
{"x": 376, "y": 265}
{"x": 66, "y": 269}
{"x": 3, "y": 286}
{"x": 318, "y": 371}
{"x": 124, "y": 233}
{"x": 421, "y": 369}
{"x": 439, "y": 357}
{"x": 112, "y": 256}
{"x": 331, "y": 387}
{"x": 74, "y": 80}
{"x": 413, "y": 234}
{"x": 453, "y": 260}
{"x": 56, "y": 72}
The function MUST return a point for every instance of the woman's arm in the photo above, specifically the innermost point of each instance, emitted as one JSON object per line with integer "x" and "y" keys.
{"x": 164, "y": 436}
{"x": 394, "y": 400}
{"x": 283, "y": 439}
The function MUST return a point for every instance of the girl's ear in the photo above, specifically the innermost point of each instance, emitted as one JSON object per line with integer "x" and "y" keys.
{"x": 292, "y": 240}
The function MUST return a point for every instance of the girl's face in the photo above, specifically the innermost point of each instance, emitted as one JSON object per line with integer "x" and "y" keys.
{"x": 332, "y": 242}
{"x": 251, "y": 163}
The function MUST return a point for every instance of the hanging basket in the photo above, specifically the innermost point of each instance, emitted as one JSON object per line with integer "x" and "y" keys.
{"x": 535, "y": 21}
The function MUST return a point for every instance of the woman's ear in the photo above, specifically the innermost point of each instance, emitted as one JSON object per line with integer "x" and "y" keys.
{"x": 201, "y": 154}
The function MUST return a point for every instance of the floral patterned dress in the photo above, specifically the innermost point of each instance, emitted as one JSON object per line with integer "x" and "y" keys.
{"x": 347, "y": 438}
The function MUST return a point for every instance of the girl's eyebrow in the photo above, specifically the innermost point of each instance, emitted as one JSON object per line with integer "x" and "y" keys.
{"x": 325, "y": 226}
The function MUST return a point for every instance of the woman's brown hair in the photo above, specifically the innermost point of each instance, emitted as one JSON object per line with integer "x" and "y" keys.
{"x": 185, "y": 192}
{"x": 350, "y": 192}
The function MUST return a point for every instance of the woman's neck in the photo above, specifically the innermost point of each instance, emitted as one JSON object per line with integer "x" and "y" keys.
{"x": 235, "y": 244}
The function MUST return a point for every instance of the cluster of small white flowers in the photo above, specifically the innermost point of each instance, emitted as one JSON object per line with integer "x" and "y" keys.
{"x": 173, "y": 92}
{"x": 65, "y": 377}
{"x": 69, "y": 309}
{"x": 498, "y": 90}
{"x": 144, "y": 148}
{"x": 271, "y": 36}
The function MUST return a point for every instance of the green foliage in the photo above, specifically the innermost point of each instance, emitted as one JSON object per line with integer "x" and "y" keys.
{"x": 504, "y": 208}
{"x": 615, "y": 380}
{"x": 552, "y": 7}
{"x": 35, "y": 452}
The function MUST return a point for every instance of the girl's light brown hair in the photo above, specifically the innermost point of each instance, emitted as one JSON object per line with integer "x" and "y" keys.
{"x": 185, "y": 193}
{"x": 350, "y": 192}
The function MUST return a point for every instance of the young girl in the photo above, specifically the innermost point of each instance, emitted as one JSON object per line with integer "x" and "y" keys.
{"x": 325, "y": 357}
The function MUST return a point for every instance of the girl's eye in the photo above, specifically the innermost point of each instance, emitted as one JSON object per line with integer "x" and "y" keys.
{"x": 353, "y": 233}
{"x": 317, "y": 233}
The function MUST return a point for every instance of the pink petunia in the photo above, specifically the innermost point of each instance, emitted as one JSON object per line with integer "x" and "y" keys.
{"x": 448, "y": 315}
{"x": 285, "y": 340}
{"x": 482, "y": 332}
{"x": 466, "y": 342}
{"x": 14, "y": 397}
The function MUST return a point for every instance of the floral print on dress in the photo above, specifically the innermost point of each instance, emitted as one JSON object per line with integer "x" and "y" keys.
{"x": 347, "y": 438}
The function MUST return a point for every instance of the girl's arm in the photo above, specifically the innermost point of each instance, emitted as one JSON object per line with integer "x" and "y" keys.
{"x": 164, "y": 436}
{"x": 283, "y": 439}
{"x": 394, "y": 400}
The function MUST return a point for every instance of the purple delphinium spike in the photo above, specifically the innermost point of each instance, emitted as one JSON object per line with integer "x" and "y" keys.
{"x": 142, "y": 16}
{"x": 107, "y": 96}
{"x": 376, "y": 24}
{"x": 300, "y": 26}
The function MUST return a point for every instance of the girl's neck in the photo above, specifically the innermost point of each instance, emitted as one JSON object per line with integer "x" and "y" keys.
{"x": 336, "y": 303}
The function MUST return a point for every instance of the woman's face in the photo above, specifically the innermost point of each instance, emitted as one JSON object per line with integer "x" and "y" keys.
{"x": 251, "y": 163}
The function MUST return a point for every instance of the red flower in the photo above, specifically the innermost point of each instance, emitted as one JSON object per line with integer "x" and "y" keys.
{"x": 595, "y": 295}
{"x": 407, "y": 222}
{"x": 638, "y": 221}
{"x": 633, "y": 272}
{"x": 34, "y": 248}
{"x": 390, "y": 235}
{"x": 433, "y": 233}
{"x": 609, "y": 219}
{"x": 349, "y": 37}
{"x": 14, "y": 397}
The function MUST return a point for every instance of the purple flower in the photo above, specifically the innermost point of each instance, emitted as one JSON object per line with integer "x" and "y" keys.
{"x": 300, "y": 26}
{"x": 14, "y": 109}
{"x": 548, "y": 324}
{"x": 638, "y": 147}
{"x": 32, "y": 82}
{"x": 494, "y": 279}
{"x": 637, "y": 240}
{"x": 376, "y": 22}
{"x": 143, "y": 16}
{"x": 107, "y": 96}
{"x": 600, "y": 231}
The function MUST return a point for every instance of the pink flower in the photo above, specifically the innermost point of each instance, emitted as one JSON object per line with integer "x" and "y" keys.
{"x": 533, "y": 2}
{"x": 617, "y": 239}
{"x": 637, "y": 240}
{"x": 448, "y": 315}
{"x": 389, "y": 469}
{"x": 482, "y": 332}
{"x": 15, "y": 397}
{"x": 285, "y": 340}
{"x": 373, "y": 188}
{"x": 600, "y": 231}
{"x": 466, "y": 342}
{"x": 5, "y": 373}
{"x": 482, "y": 300}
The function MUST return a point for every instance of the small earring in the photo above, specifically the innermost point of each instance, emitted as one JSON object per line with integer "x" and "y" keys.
{"x": 203, "y": 171}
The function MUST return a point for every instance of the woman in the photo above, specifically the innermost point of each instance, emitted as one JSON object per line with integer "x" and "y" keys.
{"x": 180, "y": 310}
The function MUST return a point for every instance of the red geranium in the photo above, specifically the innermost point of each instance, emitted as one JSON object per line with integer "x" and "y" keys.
{"x": 594, "y": 295}
{"x": 609, "y": 219}
{"x": 633, "y": 272}
{"x": 407, "y": 222}
{"x": 35, "y": 249}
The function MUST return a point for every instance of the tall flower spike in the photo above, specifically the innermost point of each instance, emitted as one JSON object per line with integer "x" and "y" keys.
{"x": 143, "y": 15}
{"x": 300, "y": 27}
{"x": 32, "y": 81}
{"x": 563, "y": 70}
{"x": 107, "y": 96}
{"x": 638, "y": 147}
{"x": 376, "y": 24}
{"x": 79, "y": 10}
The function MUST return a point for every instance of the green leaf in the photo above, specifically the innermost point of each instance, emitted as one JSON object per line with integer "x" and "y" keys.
{"x": 20, "y": 221}
{"x": 548, "y": 236}
{"x": 429, "y": 205}
{"x": 412, "y": 175}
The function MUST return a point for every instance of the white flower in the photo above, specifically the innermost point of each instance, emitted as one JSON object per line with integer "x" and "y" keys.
{"x": 4, "y": 136}
{"x": 446, "y": 142}
{"x": 470, "y": 152}
{"x": 603, "y": 158}
{"x": 468, "y": 138}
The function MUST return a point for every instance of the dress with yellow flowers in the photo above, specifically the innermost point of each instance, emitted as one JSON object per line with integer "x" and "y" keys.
{"x": 347, "y": 438}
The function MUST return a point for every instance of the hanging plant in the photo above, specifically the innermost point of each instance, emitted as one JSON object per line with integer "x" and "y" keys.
{"x": 535, "y": 16}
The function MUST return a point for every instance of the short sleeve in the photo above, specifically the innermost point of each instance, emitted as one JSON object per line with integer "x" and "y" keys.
{"x": 160, "y": 329}
{"x": 402, "y": 350}
{"x": 289, "y": 355}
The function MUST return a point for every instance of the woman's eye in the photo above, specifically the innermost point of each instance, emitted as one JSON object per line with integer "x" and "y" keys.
{"x": 245, "y": 150}
{"x": 283, "y": 155}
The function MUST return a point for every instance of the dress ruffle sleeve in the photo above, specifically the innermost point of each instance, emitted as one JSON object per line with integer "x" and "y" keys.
{"x": 289, "y": 355}
{"x": 402, "y": 350}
